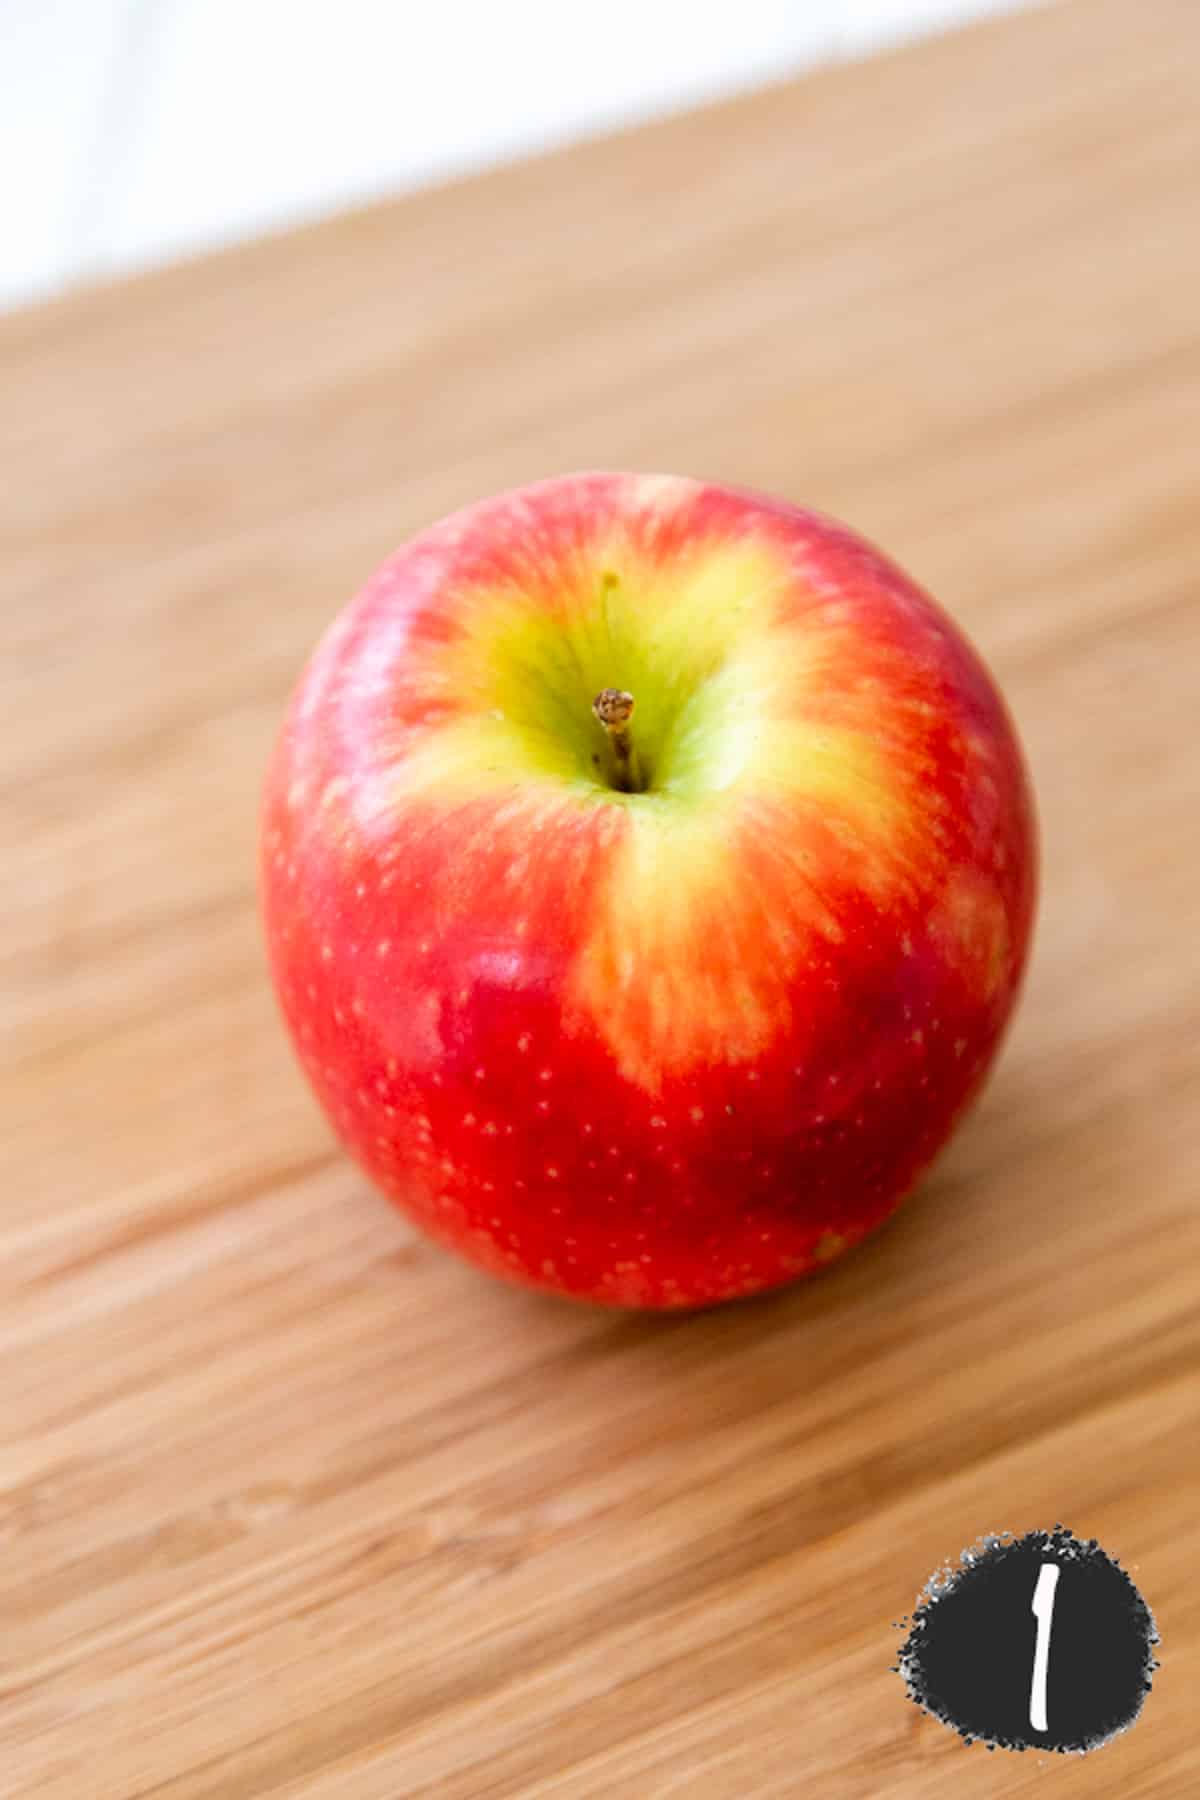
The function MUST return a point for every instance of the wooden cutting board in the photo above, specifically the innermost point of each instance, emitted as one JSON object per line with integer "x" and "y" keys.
{"x": 293, "y": 1503}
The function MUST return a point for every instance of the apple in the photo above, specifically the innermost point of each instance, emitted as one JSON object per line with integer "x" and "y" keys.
{"x": 648, "y": 870}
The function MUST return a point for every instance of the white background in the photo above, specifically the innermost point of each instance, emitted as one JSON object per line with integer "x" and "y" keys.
{"x": 133, "y": 131}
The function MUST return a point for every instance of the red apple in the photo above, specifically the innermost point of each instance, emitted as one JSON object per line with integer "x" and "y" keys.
{"x": 655, "y": 1009}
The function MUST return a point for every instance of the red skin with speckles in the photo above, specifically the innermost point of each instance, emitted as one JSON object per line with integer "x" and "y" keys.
{"x": 435, "y": 1003}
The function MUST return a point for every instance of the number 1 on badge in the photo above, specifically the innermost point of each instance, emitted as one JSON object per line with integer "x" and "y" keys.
{"x": 1043, "y": 1612}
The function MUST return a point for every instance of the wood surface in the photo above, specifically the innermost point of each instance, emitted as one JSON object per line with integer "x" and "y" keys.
{"x": 292, "y": 1503}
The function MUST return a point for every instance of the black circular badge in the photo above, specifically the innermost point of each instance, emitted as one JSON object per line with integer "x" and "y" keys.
{"x": 1040, "y": 1642}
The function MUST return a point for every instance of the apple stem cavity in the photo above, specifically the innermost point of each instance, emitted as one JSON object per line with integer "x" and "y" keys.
{"x": 614, "y": 709}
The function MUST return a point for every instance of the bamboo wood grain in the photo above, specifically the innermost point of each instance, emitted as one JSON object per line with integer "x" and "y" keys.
{"x": 293, "y": 1505}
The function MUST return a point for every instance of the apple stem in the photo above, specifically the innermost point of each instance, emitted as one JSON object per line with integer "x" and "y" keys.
{"x": 614, "y": 709}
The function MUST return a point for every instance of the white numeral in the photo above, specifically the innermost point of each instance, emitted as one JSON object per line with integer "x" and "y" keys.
{"x": 1043, "y": 1612}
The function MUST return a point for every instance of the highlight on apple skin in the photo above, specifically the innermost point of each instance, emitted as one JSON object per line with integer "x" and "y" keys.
{"x": 663, "y": 1022}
